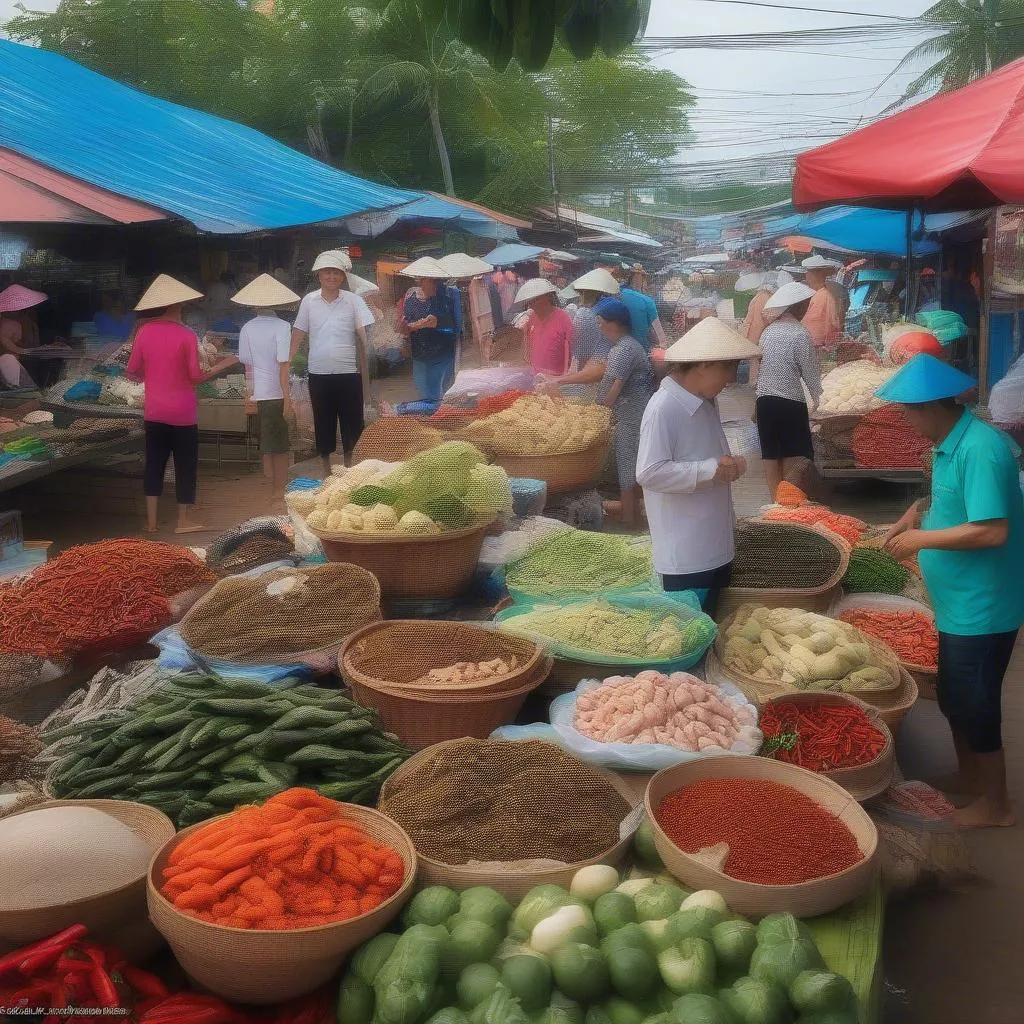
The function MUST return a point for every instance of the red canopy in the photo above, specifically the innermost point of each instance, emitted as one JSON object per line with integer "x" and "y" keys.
{"x": 962, "y": 150}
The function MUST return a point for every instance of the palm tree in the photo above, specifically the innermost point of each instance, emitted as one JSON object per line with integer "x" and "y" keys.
{"x": 976, "y": 37}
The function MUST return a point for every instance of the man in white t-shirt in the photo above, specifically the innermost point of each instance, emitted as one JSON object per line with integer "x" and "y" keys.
{"x": 264, "y": 348}
{"x": 335, "y": 320}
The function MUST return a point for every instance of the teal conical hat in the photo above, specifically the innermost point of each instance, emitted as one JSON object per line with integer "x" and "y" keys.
{"x": 925, "y": 379}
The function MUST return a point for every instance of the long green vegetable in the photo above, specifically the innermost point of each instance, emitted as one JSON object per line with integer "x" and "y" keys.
{"x": 201, "y": 745}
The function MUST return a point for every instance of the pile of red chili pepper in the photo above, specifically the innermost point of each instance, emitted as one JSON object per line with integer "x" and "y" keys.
{"x": 819, "y": 736}
{"x": 911, "y": 635}
{"x": 65, "y": 976}
{"x": 487, "y": 406}
{"x": 97, "y": 597}
{"x": 776, "y": 835}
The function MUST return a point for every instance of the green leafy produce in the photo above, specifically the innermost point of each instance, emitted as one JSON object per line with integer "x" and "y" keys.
{"x": 628, "y": 936}
{"x": 355, "y": 1001}
{"x": 537, "y": 904}
{"x": 695, "y": 922}
{"x": 561, "y": 1010}
{"x": 476, "y": 984}
{"x": 830, "y": 1017}
{"x": 872, "y": 571}
{"x": 754, "y": 1001}
{"x": 734, "y": 943}
{"x": 528, "y": 978}
{"x": 470, "y": 942}
{"x": 499, "y": 1008}
{"x": 404, "y": 986}
{"x": 658, "y": 901}
{"x": 372, "y": 955}
{"x": 370, "y": 495}
{"x": 612, "y": 911}
{"x": 781, "y": 961}
{"x": 433, "y": 905}
{"x": 689, "y": 966}
{"x": 699, "y": 1008}
{"x": 633, "y": 971}
{"x": 821, "y": 992}
{"x": 783, "y": 927}
{"x": 644, "y": 850}
{"x": 485, "y": 904}
{"x": 580, "y": 972}
{"x": 447, "y": 511}
{"x": 447, "y": 1015}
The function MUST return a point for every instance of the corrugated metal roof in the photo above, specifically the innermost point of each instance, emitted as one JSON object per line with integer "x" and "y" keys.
{"x": 221, "y": 176}
{"x": 33, "y": 192}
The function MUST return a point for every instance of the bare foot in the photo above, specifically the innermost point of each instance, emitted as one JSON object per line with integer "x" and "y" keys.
{"x": 981, "y": 814}
{"x": 189, "y": 527}
{"x": 956, "y": 784}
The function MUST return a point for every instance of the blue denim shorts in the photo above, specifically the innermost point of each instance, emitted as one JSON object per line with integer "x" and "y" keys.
{"x": 970, "y": 686}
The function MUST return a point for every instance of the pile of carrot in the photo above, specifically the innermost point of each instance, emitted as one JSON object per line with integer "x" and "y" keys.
{"x": 910, "y": 635}
{"x": 297, "y": 861}
{"x": 107, "y": 595}
{"x": 789, "y": 495}
{"x": 850, "y": 529}
{"x": 820, "y": 737}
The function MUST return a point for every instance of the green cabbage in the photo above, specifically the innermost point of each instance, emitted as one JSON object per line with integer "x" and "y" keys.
{"x": 499, "y": 1008}
{"x": 622, "y": 1011}
{"x": 485, "y": 904}
{"x": 355, "y": 1000}
{"x": 528, "y": 978}
{"x": 477, "y": 983}
{"x": 698, "y": 1008}
{"x": 471, "y": 942}
{"x": 633, "y": 971}
{"x": 537, "y": 904}
{"x": 657, "y": 901}
{"x": 688, "y": 966}
{"x": 561, "y": 1010}
{"x": 433, "y": 905}
{"x": 782, "y": 927}
{"x": 734, "y": 942}
{"x": 612, "y": 911}
{"x": 580, "y": 972}
{"x": 644, "y": 850}
{"x": 782, "y": 961}
{"x": 821, "y": 991}
{"x": 752, "y": 1001}
{"x": 696, "y": 922}
{"x": 449, "y": 1015}
{"x": 370, "y": 957}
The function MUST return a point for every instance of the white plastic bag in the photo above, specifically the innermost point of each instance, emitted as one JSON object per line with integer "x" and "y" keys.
{"x": 1006, "y": 402}
{"x": 490, "y": 380}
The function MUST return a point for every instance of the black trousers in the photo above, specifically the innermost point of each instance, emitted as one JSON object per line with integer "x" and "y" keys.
{"x": 709, "y": 585}
{"x": 337, "y": 401}
{"x": 163, "y": 440}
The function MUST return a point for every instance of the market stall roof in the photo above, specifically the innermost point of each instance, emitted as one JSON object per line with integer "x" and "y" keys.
{"x": 433, "y": 209}
{"x": 30, "y": 192}
{"x": 507, "y": 255}
{"x": 958, "y": 151}
{"x": 222, "y": 176}
{"x": 501, "y": 218}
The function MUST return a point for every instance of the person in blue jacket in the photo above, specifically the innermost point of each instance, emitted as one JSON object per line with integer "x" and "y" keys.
{"x": 969, "y": 541}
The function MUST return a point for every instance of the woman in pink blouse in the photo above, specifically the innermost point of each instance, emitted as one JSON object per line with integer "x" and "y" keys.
{"x": 548, "y": 329}
{"x": 165, "y": 357}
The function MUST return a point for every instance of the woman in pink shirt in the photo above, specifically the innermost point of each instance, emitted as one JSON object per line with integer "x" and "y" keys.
{"x": 165, "y": 357}
{"x": 548, "y": 329}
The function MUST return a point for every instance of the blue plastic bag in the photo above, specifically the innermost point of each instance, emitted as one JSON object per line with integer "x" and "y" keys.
{"x": 176, "y": 655}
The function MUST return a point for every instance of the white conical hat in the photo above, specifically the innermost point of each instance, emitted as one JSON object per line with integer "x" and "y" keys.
{"x": 460, "y": 264}
{"x": 166, "y": 291}
{"x": 426, "y": 266}
{"x": 711, "y": 341}
{"x": 534, "y": 289}
{"x": 597, "y": 281}
{"x": 333, "y": 259}
{"x": 265, "y": 290}
{"x": 790, "y": 295}
{"x": 360, "y": 286}
{"x": 817, "y": 262}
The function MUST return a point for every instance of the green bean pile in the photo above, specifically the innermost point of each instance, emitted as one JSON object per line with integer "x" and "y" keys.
{"x": 201, "y": 746}
{"x": 782, "y": 556}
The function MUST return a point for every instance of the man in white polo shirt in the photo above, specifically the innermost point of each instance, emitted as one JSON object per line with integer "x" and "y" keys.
{"x": 335, "y": 321}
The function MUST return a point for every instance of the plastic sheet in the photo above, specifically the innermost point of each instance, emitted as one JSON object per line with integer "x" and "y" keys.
{"x": 177, "y": 656}
{"x": 1006, "y": 402}
{"x": 490, "y": 380}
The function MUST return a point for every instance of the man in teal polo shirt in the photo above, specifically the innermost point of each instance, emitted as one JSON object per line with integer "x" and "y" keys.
{"x": 643, "y": 313}
{"x": 969, "y": 538}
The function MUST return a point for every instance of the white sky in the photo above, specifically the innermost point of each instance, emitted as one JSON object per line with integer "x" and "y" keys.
{"x": 757, "y": 101}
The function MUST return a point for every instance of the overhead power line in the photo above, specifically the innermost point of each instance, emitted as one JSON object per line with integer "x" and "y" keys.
{"x": 812, "y": 10}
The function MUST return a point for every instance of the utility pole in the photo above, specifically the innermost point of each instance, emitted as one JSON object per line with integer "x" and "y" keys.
{"x": 554, "y": 177}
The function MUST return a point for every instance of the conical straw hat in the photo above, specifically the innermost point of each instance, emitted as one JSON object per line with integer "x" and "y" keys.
{"x": 534, "y": 289}
{"x": 597, "y": 281}
{"x": 265, "y": 290}
{"x": 426, "y": 266}
{"x": 711, "y": 341}
{"x": 461, "y": 264}
{"x": 16, "y": 297}
{"x": 359, "y": 285}
{"x": 166, "y": 291}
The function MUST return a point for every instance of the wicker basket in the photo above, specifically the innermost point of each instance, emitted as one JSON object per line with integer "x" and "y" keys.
{"x": 117, "y": 917}
{"x": 421, "y": 718}
{"x": 260, "y": 966}
{"x": 923, "y": 675}
{"x": 811, "y": 599}
{"x": 412, "y": 566}
{"x": 513, "y": 883}
{"x": 562, "y": 472}
{"x": 417, "y": 646}
{"x": 901, "y": 703}
{"x": 764, "y": 689}
{"x": 804, "y": 899}
{"x": 866, "y": 780}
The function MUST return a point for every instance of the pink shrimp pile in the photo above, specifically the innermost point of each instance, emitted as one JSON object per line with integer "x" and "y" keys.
{"x": 678, "y": 710}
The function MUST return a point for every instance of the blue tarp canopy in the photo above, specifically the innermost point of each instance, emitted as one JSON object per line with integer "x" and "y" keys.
{"x": 221, "y": 176}
{"x": 858, "y": 229}
{"x": 507, "y": 255}
{"x": 431, "y": 210}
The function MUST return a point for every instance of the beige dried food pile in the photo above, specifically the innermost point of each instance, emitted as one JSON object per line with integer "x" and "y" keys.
{"x": 540, "y": 425}
{"x": 465, "y": 672}
{"x": 56, "y": 855}
{"x": 502, "y": 800}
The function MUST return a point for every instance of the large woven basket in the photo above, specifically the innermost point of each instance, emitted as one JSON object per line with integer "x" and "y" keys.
{"x": 260, "y": 966}
{"x": 805, "y": 899}
{"x": 765, "y": 689}
{"x": 415, "y": 646}
{"x": 562, "y": 472}
{"x": 866, "y": 780}
{"x": 511, "y": 882}
{"x": 117, "y": 917}
{"x": 412, "y": 566}
{"x": 902, "y": 702}
{"x": 810, "y": 599}
{"x": 924, "y": 675}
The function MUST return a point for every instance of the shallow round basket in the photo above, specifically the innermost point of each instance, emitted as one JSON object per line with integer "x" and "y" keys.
{"x": 563, "y": 471}
{"x": 417, "y": 645}
{"x": 412, "y": 566}
{"x": 118, "y": 917}
{"x": 809, "y": 599}
{"x": 765, "y": 689}
{"x": 512, "y": 882}
{"x": 865, "y": 780}
{"x": 923, "y": 675}
{"x": 804, "y": 899}
{"x": 260, "y": 966}
{"x": 422, "y": 718}
{"x": 902, "y": 702}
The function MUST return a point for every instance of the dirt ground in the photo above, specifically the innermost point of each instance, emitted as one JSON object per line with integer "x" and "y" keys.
{"x": 950, "y": 957}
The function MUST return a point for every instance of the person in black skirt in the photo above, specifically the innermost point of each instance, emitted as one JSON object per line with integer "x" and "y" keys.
{"x": 788, "y": 363}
